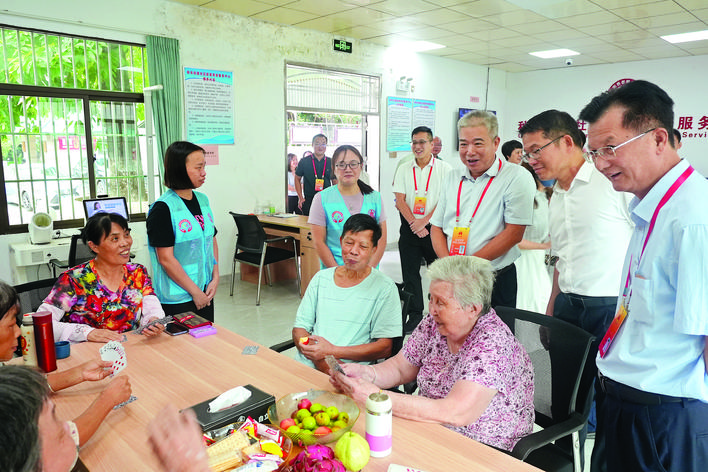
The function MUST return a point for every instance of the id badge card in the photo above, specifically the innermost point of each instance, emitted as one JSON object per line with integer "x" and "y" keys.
{"x": 459, "y": 241}
{"x": 319, "y": 185}
{"x": 419, "y": 206}
{"x": 612, "y": 331}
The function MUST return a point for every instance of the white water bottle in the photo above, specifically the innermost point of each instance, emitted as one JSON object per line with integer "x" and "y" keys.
{"x": 379, "y": 424}
{"x": 29, "y": 349}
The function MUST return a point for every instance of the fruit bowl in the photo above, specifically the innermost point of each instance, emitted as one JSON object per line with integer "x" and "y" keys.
{"x": 284, "y": 407}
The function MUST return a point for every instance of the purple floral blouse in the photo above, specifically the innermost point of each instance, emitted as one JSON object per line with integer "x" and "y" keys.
{"x": 490, "y": 356}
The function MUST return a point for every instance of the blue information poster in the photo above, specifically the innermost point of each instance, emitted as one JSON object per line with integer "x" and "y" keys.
{"x": 209, "y": 105}
{"x": 404, "y": 114}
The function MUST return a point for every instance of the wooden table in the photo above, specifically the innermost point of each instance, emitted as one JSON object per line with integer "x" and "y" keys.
{"x": 298, "y": 228}
{"x": 184, "y": 371}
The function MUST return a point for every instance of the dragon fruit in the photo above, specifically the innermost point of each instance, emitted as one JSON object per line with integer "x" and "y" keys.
{"x": 317, "y": 458}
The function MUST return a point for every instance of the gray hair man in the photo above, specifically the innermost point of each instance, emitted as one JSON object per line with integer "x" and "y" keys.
{"x": 485, "y": 207}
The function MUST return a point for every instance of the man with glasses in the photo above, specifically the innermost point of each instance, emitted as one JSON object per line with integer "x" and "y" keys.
{"x": 590, "y": 229}
{"x": 653, "y": 360}
{"x": 485, "y": 208}
{"x": 416, "y": 187}
{"x": 313, "y": 174}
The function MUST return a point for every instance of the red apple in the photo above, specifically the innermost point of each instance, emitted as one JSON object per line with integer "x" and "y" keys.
{"x": 322, "y": 431}
{"x": 304, "y": 404}
{"x": 286, "y": 423}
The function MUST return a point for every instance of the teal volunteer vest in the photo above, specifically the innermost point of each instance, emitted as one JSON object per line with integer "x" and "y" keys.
{"x": 337, "y": 214}
{"x": 194, "y": 248}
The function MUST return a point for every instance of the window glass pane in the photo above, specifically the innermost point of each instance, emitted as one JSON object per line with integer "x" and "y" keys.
{"x": 26, "y": 61}
{"x": 9, "y": 39}
{"x": 118, "y": 129}
{"x": 47, "y": 161}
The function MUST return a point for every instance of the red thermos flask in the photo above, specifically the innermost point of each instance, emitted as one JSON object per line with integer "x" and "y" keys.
{"x": 44, "y": 340}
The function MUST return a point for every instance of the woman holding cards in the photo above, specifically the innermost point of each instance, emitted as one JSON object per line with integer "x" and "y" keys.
{"x": 182, "y": 236}
{"x": 98, "y": 300}
{"x": 117, "y": 391}
{"x": 334, "y": 205}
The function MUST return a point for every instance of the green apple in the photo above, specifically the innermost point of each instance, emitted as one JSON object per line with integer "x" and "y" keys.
{"x": 302, "y": 414}
{"x": 332, "y": 411}
{"x": 322, "y": 418}
{"x": 339, "y": 424}
{"x": 315, "y": 407}
{"x": 309, "y": 423}
{"x": 343, "y": 416}
{"x": 294, "y": 429}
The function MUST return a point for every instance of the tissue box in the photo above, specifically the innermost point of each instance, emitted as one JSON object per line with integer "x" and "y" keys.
{"x": 256, "y": 407}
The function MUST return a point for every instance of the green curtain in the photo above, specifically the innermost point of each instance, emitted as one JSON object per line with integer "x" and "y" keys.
{"x": 164, "y": 69}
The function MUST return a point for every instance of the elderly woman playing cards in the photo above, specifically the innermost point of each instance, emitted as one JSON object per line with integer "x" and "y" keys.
{"x": 474, "y": 376}
{"x": 98, "y": 300}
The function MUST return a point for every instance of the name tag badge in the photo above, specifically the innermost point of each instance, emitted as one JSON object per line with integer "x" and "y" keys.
{"x": 459, "y": 241}
{"x": 319, "y": 185}
{"x": 419, "y": 205}
{"x": 613, "y": 330}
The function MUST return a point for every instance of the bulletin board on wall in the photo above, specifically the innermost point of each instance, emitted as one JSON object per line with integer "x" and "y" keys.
{"x": 403, "y": 115}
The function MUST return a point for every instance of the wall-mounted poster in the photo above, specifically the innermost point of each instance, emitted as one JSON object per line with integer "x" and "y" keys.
{"x": 404, "y": 114}
{"x": 209, "y": 104}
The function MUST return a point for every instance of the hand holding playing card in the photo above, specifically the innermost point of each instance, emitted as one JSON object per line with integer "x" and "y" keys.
{"x": 153, "y": 330}
{"x": 155, "y": 326}
{"x": 95, "y": 370}
{"x": 114, "y": 352}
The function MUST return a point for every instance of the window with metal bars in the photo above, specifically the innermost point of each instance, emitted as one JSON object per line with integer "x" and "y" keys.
{"x": 72, "y": 125}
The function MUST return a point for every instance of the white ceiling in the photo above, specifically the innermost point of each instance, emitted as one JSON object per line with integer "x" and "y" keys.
{"x": 497, "y": 33}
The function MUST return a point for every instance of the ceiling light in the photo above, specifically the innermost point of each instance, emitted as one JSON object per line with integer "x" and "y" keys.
{"x": 686, "y": 37}
{"x": 554, "y": 53}
{"x": 420, "y": 46}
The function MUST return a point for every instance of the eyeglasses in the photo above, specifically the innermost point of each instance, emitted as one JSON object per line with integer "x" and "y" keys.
{"x": 343, "y": 165}
{"x": 419, "y": 143}
{"x": 608, "y": 152}
{"x": 320, "y": 144}
{"x": 534, "y": 154}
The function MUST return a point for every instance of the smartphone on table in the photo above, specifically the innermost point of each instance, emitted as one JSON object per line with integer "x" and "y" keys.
{"x": 175, "y": 329}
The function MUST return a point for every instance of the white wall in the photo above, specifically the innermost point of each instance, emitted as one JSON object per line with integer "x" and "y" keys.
{"x": 256, "y": 52}
{"x": 570, "y": 89}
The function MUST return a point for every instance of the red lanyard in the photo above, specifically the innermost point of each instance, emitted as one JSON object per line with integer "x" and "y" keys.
{"x": 415, "y": 182}
{"x": 324, "y": 169}
{"x": 481, "y": 197}
{"x": 670, "y": 193}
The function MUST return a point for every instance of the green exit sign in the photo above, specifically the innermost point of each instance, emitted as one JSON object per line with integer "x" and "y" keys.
{"x": 343, "y": 46}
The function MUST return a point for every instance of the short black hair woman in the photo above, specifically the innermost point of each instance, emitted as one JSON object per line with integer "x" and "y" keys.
{"x": 182, "y": 236}
{"x": 334, "y": 205}
{"x": 474, "y": 376}
{"x": 107, "y": 295}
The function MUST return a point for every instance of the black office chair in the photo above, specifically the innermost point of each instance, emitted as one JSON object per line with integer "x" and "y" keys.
{"x": 252, "y": 248}
{"x": 78, "y": 254}
{"x": 32, "y": 294}
{"x": 563, "y": 373}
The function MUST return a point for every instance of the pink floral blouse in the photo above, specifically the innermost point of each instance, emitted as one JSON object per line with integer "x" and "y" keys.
{"x": 490, "y": 356}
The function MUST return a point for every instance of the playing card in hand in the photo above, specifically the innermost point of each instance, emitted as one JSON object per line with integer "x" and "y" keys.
{"x": 114, "y": 352}
{"x": 162, "y": 321}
